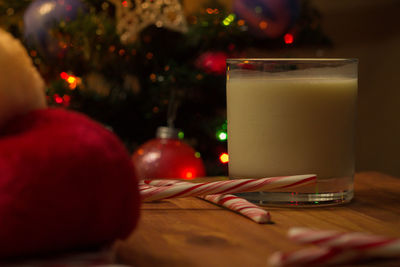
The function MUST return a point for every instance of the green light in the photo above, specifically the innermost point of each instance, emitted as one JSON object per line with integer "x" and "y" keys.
{"x": 222, "y": 136}
{"x": 225, "y": 125}
{"x": 258, "y": 9}
{"x": 181, "y": 135}
{"x": 197, "y": 155}
{"x": 229, "y": 19}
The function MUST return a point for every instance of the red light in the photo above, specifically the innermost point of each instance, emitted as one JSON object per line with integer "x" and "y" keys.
{"x": 189, "y": 175}
{"x": 67, "y": 98}
{"x": 288, "y": 38}
{"x": 58, "y": 99}
{"x": 125, "y": 3}
{"x": 224, "y": 158}
{"x": 64, "y": 75}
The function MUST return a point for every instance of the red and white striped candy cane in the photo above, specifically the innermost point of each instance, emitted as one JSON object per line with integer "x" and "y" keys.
{"x": 228, "y": 201}
{"x": 369, "y": 244}
{"x": 225, "y": 187}
{"x": 335, "y": 248}
{"x": 241, "y": 206}
{"x": 314, "y": 257}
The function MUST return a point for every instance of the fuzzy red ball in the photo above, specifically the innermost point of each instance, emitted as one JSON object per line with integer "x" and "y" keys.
{"x": 66, "y": 182}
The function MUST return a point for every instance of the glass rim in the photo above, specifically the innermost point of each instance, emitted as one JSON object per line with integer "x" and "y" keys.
{"x": 294, "y": 60}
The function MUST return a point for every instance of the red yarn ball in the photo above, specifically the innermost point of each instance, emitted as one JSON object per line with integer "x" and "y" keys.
{"x": 66, "y": 182}
{"x": 167, "y": 158}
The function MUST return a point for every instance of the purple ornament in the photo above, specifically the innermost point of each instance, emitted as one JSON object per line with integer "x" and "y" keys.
{"x": 42, "y": 15}
{"x": 267, "y": 18}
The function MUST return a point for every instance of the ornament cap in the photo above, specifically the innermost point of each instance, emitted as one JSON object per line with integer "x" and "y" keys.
{"x": 167, "y": 132}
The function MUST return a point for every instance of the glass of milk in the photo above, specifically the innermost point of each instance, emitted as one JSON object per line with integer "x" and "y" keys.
{"x": 290, "y": 117}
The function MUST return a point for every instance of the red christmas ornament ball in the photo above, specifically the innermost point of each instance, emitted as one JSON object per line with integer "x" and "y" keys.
{"x": 66, "y": 183}
{"x": 167, "y": 157}
{"x": 212, "y": 62}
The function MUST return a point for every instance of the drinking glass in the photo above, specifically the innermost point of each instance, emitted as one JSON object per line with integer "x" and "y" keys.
{"x": 290, "y": 117}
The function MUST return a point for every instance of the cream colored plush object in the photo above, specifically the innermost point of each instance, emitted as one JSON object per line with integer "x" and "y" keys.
{"x": 21, "y": 86}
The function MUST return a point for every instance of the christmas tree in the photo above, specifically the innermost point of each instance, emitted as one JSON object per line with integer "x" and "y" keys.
{"x": 137, "y": 65}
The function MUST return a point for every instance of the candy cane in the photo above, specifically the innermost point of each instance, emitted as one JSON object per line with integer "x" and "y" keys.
{"x": 228, "y": 201}
{"x": 241, "y": 206}
{"x": 371, "y": 244}
{"x": 225, "y": 187}
{"x": 335, "y": 248}
{"x": 314, "y": 257}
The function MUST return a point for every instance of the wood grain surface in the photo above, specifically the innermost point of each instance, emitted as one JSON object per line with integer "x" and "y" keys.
{"x": 193, "y": 232}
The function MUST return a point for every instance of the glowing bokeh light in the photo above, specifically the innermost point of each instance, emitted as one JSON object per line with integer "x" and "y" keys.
{"x": 288, "y": 38}
{"x": 229, "y": 19}
{"x": 64, "y": 75}
{"x": 222, "y": 136}
{"x": 47, "y": 8}
{"x": 189, "y": 175}
{"x": 263, "y": 25}
{"x": 71, "y": 79}
{"x": 224, "y": 158}
{"x": 58, "y": 99}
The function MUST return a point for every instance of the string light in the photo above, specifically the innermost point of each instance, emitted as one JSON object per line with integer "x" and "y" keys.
{"x": 263, "y": 25}
{"x": 229, "y": 19}
{"x": 197, "y": 155}
{"x": 105, "y": 5}
{"x": 10, "y": 11}
{"x": 58, "y": 99}
{"x": 212, "y": 11}
{"x": 67, "y": 98}
{"x": 153, "y": 77}
{"x": 258, "y": 9}
{"x": 181, "y": 135}
{"x": 288, "y": 38}
{"x": 225, "y": 125}
{"x": 72, "y": 80}
{"x": 188, "y": 173}
{"x": 62, "y": 45}
{"x": 33, "y": 53}
{"x": 149, "y": 55}
{"x": 224, "y": 158}
{"x": 64, "y": 75}
{"x": 222, "y": 135}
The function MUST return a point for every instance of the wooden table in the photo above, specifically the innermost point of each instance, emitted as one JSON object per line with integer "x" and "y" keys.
{"x": 193, "y": 232}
